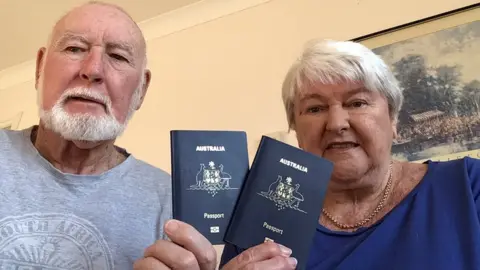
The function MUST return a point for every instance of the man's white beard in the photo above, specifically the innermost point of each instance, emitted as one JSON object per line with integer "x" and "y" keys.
{"x": 85, "y": 127}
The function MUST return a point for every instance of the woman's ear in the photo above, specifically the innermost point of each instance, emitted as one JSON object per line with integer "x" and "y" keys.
{"x": 299, "y": 140}
{"x": 394, "y": 129}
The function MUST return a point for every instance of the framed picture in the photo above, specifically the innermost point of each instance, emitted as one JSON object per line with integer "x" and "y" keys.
{"x": 437, "y": 63}
{"x": 12, "y": 122}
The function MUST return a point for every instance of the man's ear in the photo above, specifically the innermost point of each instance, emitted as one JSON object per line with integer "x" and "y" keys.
{"x": 146, "y": 83}
{"x": 38, "y": 69}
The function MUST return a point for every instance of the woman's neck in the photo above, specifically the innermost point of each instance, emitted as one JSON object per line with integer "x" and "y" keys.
{"x": 354, "y": 205}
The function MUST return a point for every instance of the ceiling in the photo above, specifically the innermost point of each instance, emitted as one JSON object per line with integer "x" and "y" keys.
{"x": 25, "y": 24}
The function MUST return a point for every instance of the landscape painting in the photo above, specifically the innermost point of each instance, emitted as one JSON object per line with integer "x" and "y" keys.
{"x": 439, "y": 73}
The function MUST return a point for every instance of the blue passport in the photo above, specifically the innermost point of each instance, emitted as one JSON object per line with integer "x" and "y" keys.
{"x": 208, "y": 171}
{"x": 281, "y": 199}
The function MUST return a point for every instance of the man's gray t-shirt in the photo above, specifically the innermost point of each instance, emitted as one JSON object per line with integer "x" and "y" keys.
{"x": 53, "y": 220}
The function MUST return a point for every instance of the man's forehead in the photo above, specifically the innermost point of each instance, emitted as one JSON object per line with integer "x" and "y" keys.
{"x": 94, "y": 21}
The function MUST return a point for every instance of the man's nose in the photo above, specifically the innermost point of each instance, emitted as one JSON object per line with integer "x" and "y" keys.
{"x": 92, "y": 67}
{"x": 338, "y": 120}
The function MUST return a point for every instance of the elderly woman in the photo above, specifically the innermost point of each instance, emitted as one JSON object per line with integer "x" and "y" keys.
{"x": 343, "y": 101}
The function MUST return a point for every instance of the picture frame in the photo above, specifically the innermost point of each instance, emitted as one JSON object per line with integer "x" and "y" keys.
{"x": 436, "y": 61}
{"x": 420, "y": 27}
{"x": 12, "y": 122}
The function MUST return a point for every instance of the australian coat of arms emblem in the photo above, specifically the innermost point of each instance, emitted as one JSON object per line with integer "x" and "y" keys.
{"x": 212, "y": 179}
{"x": 284, "y": 194}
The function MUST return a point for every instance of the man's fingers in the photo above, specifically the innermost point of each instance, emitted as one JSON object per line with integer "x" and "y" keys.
{"x": 259, "y": 253}
{"x": 188, "y": 237}
{"x": 172, "y": 255}
{"x": 149, "y": 264}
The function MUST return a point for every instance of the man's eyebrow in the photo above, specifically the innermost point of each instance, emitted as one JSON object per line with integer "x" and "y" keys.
{"x": 69, "y": 36}
{"x": 110, "y": 45}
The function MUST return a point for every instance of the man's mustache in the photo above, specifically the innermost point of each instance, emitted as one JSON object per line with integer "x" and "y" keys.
{"x": 87, "y": 95}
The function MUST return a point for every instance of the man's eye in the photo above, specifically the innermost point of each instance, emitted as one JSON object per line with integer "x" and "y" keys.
{"x": 118, "y": 57}
{"x": 74, "y": 49}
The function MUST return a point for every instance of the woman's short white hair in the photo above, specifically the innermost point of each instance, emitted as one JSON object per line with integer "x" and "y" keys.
{"x": 333, "y": 62}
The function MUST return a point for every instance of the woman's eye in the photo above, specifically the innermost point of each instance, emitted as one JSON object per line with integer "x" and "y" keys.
{"x": 358, "y": 104}
{"x": 314, "y": 109}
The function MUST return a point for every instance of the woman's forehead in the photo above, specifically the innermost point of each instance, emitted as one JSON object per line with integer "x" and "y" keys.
{"x": 326, "y": 90}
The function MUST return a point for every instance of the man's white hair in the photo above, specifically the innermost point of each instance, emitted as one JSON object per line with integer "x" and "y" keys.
{"x": 333, "y": 62}
{"x": 85, "y": 127}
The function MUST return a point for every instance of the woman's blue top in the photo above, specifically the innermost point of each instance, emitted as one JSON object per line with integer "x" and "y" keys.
{"x": 436, "y": 226}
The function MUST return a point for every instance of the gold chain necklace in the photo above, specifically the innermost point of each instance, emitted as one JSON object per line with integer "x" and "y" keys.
{"x": 379, "y": 207}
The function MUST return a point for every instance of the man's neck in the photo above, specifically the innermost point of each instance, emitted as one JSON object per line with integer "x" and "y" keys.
{"x": 76, "y": 157}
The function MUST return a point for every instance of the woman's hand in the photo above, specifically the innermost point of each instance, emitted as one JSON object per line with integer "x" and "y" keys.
{"x": 268, "y": 255}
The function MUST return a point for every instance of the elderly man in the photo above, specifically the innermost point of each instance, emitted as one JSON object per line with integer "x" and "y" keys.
{"x": 70, "y": 198}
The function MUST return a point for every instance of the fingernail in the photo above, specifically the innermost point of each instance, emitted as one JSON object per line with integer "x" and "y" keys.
{"x": 292, "y": 261}
{"x": 171, "y": 226}
{"x": 286, "y": 251}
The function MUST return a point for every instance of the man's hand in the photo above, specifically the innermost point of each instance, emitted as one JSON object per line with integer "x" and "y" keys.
{"x": 268, "y": 256}
{"x": 188, "y": 249}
